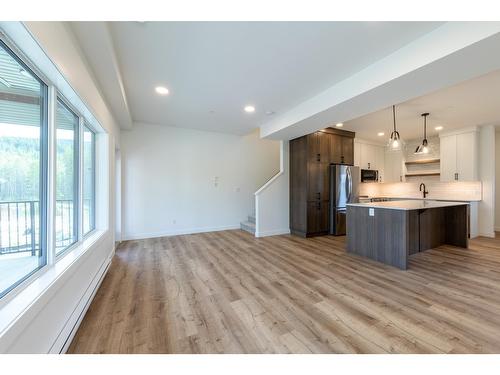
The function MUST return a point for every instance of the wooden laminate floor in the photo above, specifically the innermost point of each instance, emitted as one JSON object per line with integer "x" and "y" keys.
{"x": 228, "y": 292}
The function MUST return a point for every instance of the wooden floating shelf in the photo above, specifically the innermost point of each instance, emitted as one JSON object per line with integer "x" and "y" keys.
{"x": 423, "y": 174}
{"x": 428, "y": 161}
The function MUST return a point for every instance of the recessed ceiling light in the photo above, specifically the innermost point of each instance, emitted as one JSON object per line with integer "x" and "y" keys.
{"x": 339, "y": 125}
{"x": 380, "y": 134}
{"x": 161, "y": 90}
{"x": 250, "y": 109}
{"x": 269, "y": 113}
{"x": 438, "y": 128}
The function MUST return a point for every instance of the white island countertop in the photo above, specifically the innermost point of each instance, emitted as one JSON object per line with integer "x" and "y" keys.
{"x": 408, "y": 204}
{"x": 418, "y": 198}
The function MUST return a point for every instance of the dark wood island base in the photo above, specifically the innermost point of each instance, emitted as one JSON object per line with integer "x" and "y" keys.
{"x": 390, "y": 232}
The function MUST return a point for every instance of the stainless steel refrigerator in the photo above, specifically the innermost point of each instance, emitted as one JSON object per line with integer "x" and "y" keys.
{"x": 344, "y": 188}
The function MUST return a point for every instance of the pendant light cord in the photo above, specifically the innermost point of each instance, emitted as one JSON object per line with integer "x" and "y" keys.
{"x": 425, "y": 127}
{"x": 424, "y": 115}
{"x": 394, "y": 116}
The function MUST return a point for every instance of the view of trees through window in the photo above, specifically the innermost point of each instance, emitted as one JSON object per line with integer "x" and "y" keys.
{"x": 19, "y": 163}
{"x": 66, "y": 177}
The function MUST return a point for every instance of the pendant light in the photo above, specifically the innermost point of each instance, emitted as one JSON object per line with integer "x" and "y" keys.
{"x": 423, "y": 147}
{"x": 395, "y": 142}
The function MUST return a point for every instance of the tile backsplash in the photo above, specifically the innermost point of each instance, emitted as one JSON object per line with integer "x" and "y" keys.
{"x": 453, "y": 191}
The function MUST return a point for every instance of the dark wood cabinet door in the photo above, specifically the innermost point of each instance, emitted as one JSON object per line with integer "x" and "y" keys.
{"x": 318, "y": 145}
{"x": 298, "y": 185}
{"x": 318, "y": 175}
{"x": 347, "y": 150}
{"x": 313, "y": 154}
{"x": 324, "y": 217}
{"x": 335, "y": 149}
{"x": 317, "y": 217}
{"x": 312, "y": 216}
{"x": 324, "y": 146}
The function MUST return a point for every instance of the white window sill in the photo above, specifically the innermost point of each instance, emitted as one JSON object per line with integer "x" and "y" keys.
{"x": 19, "y": 300}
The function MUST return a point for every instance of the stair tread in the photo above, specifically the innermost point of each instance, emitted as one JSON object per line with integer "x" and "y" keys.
{"x": 247, "y": 226}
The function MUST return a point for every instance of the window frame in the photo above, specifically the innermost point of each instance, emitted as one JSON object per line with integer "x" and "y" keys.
{"x": 54, "y": 89}
{"x": 87, "y": 126}
{"x": 77, "y": 219}
{"x": 17, "y": 56}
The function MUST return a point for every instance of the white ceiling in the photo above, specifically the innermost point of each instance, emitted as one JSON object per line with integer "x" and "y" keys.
{"x": 470, "y": 103}
{"x": 214, "y": 69}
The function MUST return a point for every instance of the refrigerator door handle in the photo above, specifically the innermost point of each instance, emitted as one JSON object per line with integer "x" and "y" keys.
{"x": 349, "y": 185}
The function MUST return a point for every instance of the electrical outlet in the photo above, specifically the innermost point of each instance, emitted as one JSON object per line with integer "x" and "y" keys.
{"x": 371, "y": 212}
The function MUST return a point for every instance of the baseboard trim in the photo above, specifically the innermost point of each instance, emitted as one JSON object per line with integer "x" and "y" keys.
{"x": 491, "y": 234}
{"x": 142, "y": 236}
{"x": 276, "y": 232}
{"x": 65, "y": 338}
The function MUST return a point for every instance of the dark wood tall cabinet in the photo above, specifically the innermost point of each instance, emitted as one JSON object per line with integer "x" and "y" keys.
{"x": 310, "y": 157}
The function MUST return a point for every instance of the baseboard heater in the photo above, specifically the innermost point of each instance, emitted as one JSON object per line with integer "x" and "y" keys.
{"x": 61, "y": 349}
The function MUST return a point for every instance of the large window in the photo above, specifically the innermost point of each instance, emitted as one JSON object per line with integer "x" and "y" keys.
{"x": 23, "y": 139}
{"x": 47, "y": 171}
{"x": 67, "y": 125}
{"x": 88, "y": 180}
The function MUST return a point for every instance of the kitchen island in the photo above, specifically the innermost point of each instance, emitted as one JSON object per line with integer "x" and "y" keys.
{"x": 390, "y": 232}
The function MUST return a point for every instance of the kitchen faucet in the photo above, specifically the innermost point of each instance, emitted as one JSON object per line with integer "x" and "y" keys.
{"x": 425, "y": 192}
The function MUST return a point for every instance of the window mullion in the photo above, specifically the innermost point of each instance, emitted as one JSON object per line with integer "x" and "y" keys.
{"x": 94, "y": 179}
{"x": 80, "y": 178}
{"x": 51, "y": 178}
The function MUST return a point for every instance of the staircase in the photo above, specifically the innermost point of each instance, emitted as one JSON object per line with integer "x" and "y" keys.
{"x": 249, "y": 225}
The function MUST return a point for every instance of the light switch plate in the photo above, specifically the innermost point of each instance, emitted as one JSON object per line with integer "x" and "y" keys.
{"x": 371, "y": 212}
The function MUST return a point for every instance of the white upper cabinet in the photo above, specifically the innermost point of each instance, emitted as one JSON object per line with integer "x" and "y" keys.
{"x": 394, "y": 169}
{"x": 370, "y": 156}
{"x": 448, "y": 157}
{"x": 366, "y": 156}
{"x": 357, "y": 153}
{"x": 380, "y": 163}
{"x": 459, "y": 156}
{"x": 467, "y": 156}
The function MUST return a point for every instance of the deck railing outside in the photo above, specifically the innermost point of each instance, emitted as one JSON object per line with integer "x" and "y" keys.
{"x": 20, "y": 226}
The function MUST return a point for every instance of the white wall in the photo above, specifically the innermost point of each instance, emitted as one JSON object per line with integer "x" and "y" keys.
{"x": 118, "y": 196}
{"x": 178, "y": 180}
{"x": 272, "y": 200}
{"x": 486, "y": 173}
{"x": 49, "y": 321}
{"x": 497, "y": 180}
